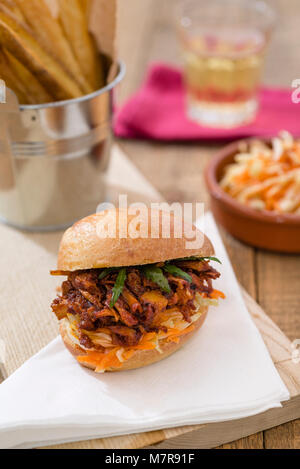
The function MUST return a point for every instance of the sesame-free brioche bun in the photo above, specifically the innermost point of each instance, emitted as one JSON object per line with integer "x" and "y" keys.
{"x": 141, "y": 357}
{"x": 84, "y": 246}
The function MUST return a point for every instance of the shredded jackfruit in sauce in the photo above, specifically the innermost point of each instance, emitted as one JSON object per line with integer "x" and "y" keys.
{"x": 116, "y": 356}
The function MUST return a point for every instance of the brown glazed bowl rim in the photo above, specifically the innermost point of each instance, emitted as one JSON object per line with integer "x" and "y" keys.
{"x": 217, "y": 192}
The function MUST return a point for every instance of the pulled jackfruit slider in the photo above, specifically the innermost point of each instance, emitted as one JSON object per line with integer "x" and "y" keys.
{"x": 129, "y": 302}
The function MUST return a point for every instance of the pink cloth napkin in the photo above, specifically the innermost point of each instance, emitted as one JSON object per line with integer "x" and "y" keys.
{"x": 157, "y": 112}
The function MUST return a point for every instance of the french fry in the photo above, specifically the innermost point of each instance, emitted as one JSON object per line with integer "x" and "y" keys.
{"x": 14, "y": 9}
{"x": 75, "y": 25}
{"x": 11, "y": 80}
{"x": 50, "y": 36}
{"x": 17, "y": 77}
{"x": 35, "y": 92}
{"x": 19, "y": 42}
{"x": 53, "y": 7}
{"x": 86, "y": 7}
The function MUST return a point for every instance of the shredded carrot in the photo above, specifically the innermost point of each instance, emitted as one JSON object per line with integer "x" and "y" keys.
{"x": 266, "y": 177}
{"x": 128, "y": 354}
{"x": 217, "y": 294}
{"x": 109, "y": 360}
{"x": 91, "y": 358}
{"x": 101, "y": 361}
{"x": 149, "y": 346}
{"x": 178, "y": 333}
{"x": 148, "y": 336}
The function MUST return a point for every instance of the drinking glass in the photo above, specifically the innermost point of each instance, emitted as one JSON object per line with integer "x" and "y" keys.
{"x": 224, "y": 44}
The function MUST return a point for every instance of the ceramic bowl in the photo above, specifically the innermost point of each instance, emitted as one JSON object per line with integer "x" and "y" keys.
{"x": 262, "y": 229}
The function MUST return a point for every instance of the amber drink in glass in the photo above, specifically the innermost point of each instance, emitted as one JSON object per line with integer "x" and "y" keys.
{"x": 224, "y": 44}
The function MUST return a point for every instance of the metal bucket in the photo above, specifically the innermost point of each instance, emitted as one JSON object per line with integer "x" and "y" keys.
{"x": 53, "y": 158}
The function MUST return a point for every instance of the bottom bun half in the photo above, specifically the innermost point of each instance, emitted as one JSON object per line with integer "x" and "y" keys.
{"x": 140, "y": 358}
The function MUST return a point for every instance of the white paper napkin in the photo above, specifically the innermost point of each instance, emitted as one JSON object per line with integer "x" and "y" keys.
{"x": 224, "y": 372}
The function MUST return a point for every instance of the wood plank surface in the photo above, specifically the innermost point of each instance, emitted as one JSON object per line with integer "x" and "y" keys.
{"x": 146, "y": 34}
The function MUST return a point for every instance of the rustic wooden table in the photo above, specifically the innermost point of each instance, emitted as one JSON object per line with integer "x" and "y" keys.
{"x": 146, "y": 33}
